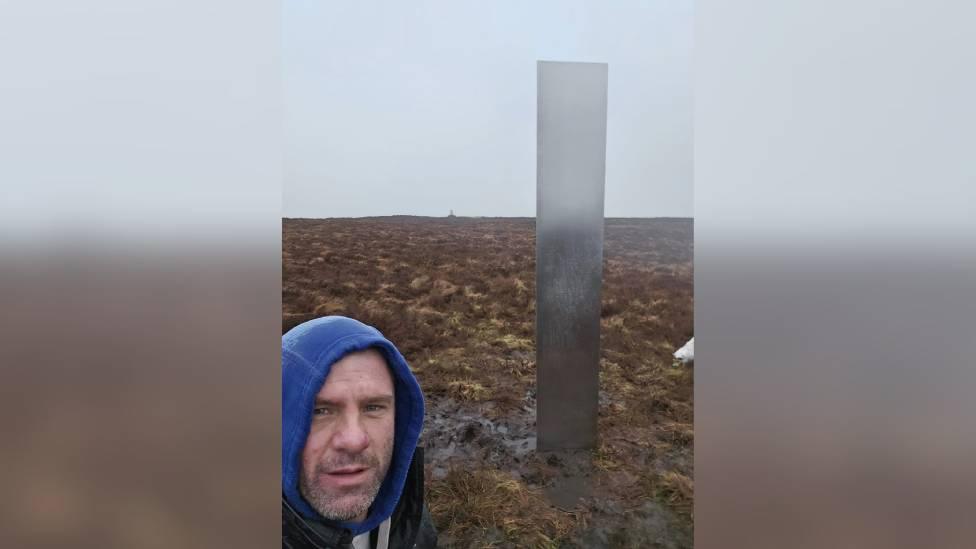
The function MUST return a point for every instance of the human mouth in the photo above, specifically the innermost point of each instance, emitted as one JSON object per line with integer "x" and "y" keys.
{"x": 347, "y": 471}
{"x": 346, "y": 476}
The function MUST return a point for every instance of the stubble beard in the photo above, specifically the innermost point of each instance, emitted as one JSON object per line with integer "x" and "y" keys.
{"x": 350, "y": 504}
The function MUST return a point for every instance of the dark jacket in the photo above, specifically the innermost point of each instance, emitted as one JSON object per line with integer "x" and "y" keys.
{"x": 411, "y": 526}
{"x": 308, "y": 352}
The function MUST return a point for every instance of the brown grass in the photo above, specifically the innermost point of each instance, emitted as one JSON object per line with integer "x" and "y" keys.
{"x": 497, "y": 510}
{"x": 674, "y": 489}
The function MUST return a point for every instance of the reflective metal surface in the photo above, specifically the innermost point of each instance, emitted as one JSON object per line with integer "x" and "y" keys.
{"x": 571, "y": 166}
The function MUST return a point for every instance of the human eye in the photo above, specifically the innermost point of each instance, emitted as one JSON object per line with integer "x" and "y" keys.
{"x": 374, "y": 408}
{"x": 321, "y": 411}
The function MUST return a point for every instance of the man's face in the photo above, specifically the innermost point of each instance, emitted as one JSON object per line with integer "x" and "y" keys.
{"x": 350, "y": 442}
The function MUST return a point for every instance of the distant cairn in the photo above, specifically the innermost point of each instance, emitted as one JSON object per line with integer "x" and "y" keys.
{"x": 451, "y": 214}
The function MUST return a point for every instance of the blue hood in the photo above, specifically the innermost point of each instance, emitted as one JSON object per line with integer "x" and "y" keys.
{"x": 308, "y": 352}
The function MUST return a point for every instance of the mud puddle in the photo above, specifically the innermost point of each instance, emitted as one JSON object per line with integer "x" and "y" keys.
{"x": 459, "y": 434}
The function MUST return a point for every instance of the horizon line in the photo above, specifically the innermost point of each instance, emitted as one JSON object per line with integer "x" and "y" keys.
{"x": 483, "y": 217}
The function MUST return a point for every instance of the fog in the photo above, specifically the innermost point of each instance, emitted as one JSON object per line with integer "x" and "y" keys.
{"x": 426, "y": 107}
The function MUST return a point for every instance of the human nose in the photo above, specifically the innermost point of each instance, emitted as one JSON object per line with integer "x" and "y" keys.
{"x": 351, "y": 436}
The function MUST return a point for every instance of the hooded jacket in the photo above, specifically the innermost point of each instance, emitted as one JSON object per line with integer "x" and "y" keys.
{"x": 308, "y": 352}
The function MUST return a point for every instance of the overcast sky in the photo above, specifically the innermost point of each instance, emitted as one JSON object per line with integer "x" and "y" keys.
{"x": 422, "y": 107}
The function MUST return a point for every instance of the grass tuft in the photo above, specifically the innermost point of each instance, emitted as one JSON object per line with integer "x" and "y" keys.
{"x": 479, "y": 504}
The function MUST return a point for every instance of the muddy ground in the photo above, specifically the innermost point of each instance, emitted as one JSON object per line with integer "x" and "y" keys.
{"x": 457, "y": 297}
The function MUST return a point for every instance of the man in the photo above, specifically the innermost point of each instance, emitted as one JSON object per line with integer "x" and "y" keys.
{"x": 352, "y": 412}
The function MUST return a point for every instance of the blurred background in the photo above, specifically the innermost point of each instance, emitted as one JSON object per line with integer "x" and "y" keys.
{"x": 139, "y": 274}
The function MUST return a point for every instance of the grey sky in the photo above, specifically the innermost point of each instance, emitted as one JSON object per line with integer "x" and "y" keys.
{"x": 423, "y": 107}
